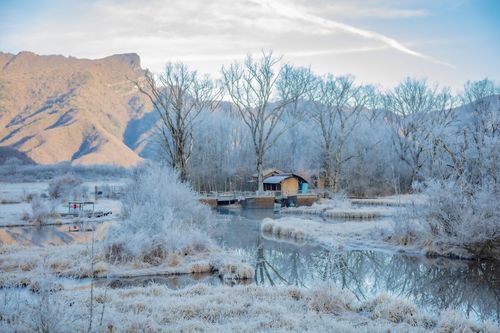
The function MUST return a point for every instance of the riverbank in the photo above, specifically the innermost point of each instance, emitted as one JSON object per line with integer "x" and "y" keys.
{"x": 374, "y": 234}
{"x": 20, "y": 264}
{"x": 348, "y": 234}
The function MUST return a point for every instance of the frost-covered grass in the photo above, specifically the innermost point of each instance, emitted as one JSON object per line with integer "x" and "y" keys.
{"x": 393, "y": 200}
{"x": 202, "y": 308}
{"x": 294, "y": 231}
{"x": 359, "y": 213}
{"x": 458, "y": 221}
{"x": 351, "y": 234}
{"x": 342, "y": 208}
{"x": 19, "y": 263}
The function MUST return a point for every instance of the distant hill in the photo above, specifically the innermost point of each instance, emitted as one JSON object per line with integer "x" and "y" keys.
{"x": 10, "y": 155}
{"x": 55, "y": 109}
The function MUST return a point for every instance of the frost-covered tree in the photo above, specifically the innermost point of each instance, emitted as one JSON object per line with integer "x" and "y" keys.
{"x": 222, "y": 154}
{"x": 179, "y": 95}
{"x": 375, "y": 169}
{"x": 337, "y": 104}
{"x": 266, "y": 95}
{"x": 413, "y": 109}
{"x": 63, "y": 186}
{"x": 462, "y": 215}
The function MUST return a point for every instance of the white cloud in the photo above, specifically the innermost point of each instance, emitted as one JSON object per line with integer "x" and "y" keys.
{"x": 295, "y": 13}
{"x": 208, "y": 34}
{"x": 373, "y": 9}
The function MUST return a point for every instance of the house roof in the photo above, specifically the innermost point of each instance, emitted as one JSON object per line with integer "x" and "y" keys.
{"x": 281, "y": 177}
{"x": 276, "y": 179}
{"x": 266, "y": 172}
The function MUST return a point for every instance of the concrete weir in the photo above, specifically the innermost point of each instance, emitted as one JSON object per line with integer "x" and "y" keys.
{"x": 258, "y": 202}
{"x": 262, "y": 200}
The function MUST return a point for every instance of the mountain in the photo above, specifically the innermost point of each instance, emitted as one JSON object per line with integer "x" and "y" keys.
{"x": 55, "y": 108}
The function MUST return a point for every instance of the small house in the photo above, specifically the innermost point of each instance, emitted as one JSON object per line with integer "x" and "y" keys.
{"x": 286, "y": 183}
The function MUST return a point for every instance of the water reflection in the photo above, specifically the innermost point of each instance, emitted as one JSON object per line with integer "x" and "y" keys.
{"x": 52, "y": 234}
{"x": 435, "y": 284}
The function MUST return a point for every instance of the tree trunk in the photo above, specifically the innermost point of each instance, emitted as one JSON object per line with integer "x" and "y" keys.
{"x": 335, "y": 182}
{"x": 260, "y": 176}
{"x": 183, "y": 172}
{"x": 327, "y": 172}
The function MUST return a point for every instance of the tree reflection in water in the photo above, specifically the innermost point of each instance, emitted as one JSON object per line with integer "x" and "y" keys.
{"x": 472, "y": 287}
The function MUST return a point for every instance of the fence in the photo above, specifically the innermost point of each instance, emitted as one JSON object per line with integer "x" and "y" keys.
{"x": 109, "y": 191}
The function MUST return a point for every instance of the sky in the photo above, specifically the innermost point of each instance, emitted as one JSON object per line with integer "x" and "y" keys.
{"x": 378, "y": 41}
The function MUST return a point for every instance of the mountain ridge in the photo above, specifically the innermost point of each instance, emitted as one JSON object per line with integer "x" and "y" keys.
{"x": 56, "y": 109}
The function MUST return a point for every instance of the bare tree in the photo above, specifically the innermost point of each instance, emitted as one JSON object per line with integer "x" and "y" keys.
{"x": 480, "y": 100}
{"x": 414, "y": 110}
{"x": 179, "y": 95}
{"x": 266, "y": 96}
{"x": 337, "y": 106}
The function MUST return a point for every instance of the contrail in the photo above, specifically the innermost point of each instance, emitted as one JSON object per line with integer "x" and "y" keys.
{"x": 294, "y": 13}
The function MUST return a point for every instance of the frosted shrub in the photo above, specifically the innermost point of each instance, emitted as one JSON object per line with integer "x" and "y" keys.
{"x": 161, "y": 215}
{"x": 452, "y": 321}
{"x": 328, "y": 298}
{"x": 337, "y": 200}
{"x": 393, "y": 309}
{"x": 40, "y": 210}
{"x": 458, "y": 216}
{"x": 63, "y": 186}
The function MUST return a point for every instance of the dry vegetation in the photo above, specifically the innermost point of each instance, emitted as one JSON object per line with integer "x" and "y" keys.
{"x": 214, "y": 309}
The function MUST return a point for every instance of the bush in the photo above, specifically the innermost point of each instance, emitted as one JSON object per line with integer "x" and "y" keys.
{"x": 394, "y": 309}
{"x": 40, "y": 211}
{"x": 328, "y": 298}
{"x": 162, "y": 215}
{"x": 62, "y": 186}
{"x": 457, "y": 216}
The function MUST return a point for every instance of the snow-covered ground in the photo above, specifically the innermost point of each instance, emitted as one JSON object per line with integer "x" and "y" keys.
{"x": 204, "y": 308}
{"x": 18, "y": 191}
{"x": 14, "y": 205}
{"x": 14, "y": 214}
{"x": 52, "y": 235}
